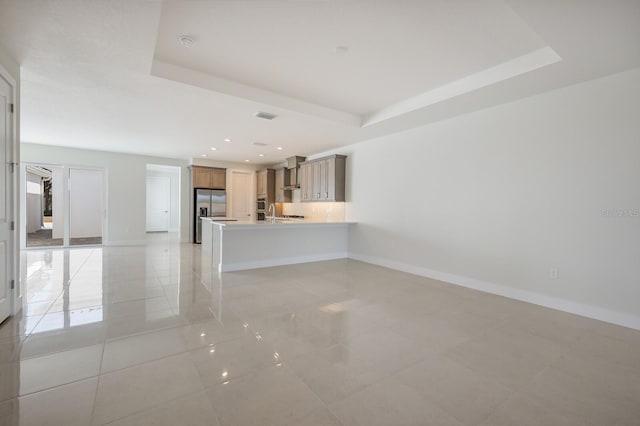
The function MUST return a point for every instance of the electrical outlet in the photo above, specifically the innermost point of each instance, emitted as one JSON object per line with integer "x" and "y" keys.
{"x": 554, "y": 273}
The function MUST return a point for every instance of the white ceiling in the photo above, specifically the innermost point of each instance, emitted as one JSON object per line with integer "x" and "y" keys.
{"x": 395, "y": 48}
{"x": 112, "y": 75}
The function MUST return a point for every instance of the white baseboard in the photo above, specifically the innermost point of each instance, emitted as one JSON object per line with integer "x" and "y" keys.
{"x": 126, "y": 243}
{"x": 241, "y": 266}
{"x": 594, "y": 312}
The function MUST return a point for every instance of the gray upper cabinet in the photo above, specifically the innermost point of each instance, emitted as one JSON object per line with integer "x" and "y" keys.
{"x": 323, "y": 179}
{"x": 306, "y": 189}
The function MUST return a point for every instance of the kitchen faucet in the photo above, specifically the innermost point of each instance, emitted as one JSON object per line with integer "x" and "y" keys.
{"x": 272, "y": 210}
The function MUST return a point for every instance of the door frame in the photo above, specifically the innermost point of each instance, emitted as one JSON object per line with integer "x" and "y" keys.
{"x": 13, "y": 208}
{"x": 66, "y": 168}
{"x": 178, "y": 196}
{"x": 168, "y": 180}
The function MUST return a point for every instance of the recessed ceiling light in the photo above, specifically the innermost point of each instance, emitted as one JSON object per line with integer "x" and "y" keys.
{"x": 186, "y": 40}
{"x": 260, "y": 155}
{"x": 246, "y": 161}
{"x": 213, "y": 148}
{"x": 227, "y": 140}
{"x": 280, "y": 148}
{"x": 340, "y": 50}
{"x": 203, "y": 155}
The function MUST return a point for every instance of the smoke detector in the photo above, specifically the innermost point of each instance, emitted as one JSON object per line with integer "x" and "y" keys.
{"x": 186, "y": 40}
{"x": 265, "y": 115}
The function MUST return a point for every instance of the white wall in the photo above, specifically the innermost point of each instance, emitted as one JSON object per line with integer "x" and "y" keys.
{"x": 126, "y": 179}
{"x": 85, "y": 203}
{"x": 498, "y": 198}
{"x": 173, "y": 173}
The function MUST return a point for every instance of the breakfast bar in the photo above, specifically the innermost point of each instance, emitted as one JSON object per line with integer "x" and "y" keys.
{"x": 239, "y": 245}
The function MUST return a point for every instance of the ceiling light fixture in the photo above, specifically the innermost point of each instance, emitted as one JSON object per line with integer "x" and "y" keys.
{"x": 280, "y": 148}
{"x": 186, "y": 40}
{"x": 203, "y": 155}
{"x": 246, "y": 161}
{"x": 260, "y": 155}
{"x": 227, "y": 140}
{"x": 213, "y": 148}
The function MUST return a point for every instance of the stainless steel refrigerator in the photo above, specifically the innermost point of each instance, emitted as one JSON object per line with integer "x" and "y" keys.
{"x": 208, "y": 203}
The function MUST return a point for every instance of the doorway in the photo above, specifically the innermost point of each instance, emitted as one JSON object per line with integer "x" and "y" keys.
{"x": 163, "y": 198}
{"x": 158, "y": 203}
{"x": 44, "y": 206}
{"x": 62, "y": 206}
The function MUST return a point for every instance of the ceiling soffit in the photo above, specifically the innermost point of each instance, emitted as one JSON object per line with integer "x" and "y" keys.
{"x": 437, "y": 39}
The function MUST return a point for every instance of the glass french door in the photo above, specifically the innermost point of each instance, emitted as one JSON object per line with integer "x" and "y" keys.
{"x": 64, "y": 205}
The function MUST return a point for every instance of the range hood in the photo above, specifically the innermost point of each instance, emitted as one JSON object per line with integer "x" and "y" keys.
{"x": 293, "y": 164}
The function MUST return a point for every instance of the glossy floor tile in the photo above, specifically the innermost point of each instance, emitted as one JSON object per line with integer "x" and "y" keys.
{"x": 149, "y": 336}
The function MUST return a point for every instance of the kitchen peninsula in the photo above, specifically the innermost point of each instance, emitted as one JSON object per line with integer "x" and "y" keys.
{"x": 240, "y": 245}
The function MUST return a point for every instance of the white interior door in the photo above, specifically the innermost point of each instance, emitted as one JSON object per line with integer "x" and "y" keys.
{"x": 85, "y": 203}
{"x": 158, "y": 203}
{"x": 241, "y": 195}
{"x": 6, "y": 199}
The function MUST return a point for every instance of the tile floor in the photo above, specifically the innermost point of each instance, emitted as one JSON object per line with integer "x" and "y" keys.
{"x": 149, "y": 336}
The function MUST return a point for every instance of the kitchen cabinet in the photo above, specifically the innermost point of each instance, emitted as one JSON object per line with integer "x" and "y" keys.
{"x": 306, "y": 181}
{"x": 209, "y": 177}
{"x": 323, "y": 179}
{"x": 282, "y": 179}
{"x": 316, "y": 177}
{"x": 200, "y": 177}
{"x": 261, "y": 182}
{"x": 265, "y": 185}
{"x": 265, "y": 191}
{"x": 218, "y": 178}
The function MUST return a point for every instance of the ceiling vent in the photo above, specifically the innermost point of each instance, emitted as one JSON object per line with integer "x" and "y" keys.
{"x": 186, "y": 40}
{"x": 265, "y": 115}
{"x": 259, "y": 143}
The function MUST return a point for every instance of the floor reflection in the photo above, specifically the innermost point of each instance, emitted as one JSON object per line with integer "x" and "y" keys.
{"x": 69, "y": 283}
{"x": 151, "y": 335}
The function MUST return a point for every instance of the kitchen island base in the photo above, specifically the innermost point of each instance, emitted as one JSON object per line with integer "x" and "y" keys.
{"x": 238, "y": 246}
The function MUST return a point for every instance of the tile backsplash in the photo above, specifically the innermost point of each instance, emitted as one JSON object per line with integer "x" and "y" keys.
{"x": 331, "y": 212}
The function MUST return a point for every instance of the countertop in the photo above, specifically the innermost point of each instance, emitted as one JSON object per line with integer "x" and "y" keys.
{"x": 265, "y": 224}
